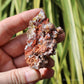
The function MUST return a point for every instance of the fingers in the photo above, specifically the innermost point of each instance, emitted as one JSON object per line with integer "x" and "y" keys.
{"x": 12, "y": 25}
{"x": 20, "y": 62}
{"x": 5, "y": 62}
{"x": 60, "y": 37}
{"x": 7, "y": 66}
{"x": 16, "y": 46}
{"x": 25, "y": 75}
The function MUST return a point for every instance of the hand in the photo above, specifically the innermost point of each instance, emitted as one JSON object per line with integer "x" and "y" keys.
{"x": 12, "y": 52}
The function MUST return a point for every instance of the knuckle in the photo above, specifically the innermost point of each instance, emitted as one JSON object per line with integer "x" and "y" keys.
{"x": 15, "y": 77}
{"x": 23, "y": 20}
{"x": 10, "y": 32}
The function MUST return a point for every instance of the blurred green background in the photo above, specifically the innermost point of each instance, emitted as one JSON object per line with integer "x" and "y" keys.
{"x": 69, "y": 14}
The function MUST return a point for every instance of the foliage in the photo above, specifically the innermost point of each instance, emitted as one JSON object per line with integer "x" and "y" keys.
{"x": 69, "y": 14}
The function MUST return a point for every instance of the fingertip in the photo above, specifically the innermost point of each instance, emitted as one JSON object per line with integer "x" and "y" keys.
{"x": 51, "y": 62}
{"x": 28, "y": 15}
{"x": 46, "y": 73}
{"x": 60, "y": 37}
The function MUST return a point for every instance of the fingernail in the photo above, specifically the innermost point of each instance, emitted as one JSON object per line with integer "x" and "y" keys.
{"x": 32, "y": 75}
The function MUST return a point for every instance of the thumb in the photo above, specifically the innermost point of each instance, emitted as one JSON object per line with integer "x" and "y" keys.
{"x": 20, "y": 76}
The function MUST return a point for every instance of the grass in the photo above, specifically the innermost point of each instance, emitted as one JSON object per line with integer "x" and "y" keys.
{"x": 69, "y": 14}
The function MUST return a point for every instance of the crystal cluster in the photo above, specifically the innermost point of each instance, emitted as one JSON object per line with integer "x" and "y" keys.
{"x": 41, "y": 41}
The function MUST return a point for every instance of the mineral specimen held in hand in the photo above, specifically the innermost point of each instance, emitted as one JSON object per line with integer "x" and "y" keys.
{"x": 42, "y": 38}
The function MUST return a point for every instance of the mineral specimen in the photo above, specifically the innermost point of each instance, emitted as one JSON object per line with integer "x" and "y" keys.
{"x": 42, "y": 38}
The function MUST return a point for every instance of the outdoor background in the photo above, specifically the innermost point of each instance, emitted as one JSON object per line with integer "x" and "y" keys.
{"x": 69, "y": 14}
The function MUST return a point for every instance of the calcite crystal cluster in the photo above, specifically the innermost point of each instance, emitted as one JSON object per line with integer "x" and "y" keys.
{"x": 42, "y": 39}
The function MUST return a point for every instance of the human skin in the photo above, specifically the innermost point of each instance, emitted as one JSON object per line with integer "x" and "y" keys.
{"x": 13, "y": 68}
